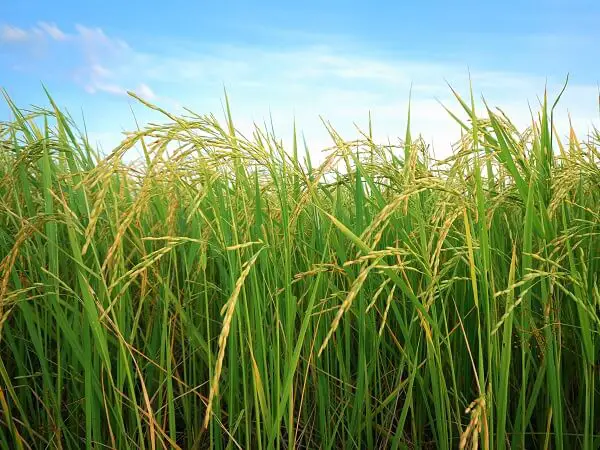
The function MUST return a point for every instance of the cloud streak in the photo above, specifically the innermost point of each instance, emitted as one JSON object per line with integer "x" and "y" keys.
{"x": 12, "y": 34}
{"x": 86, "y": 55}
{"x": 301, "y": 82}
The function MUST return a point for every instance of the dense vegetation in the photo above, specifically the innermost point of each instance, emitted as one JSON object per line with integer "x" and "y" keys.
{"x": 225, "y": 293}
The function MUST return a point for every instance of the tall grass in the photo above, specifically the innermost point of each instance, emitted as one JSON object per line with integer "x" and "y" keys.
{"x": 226, "y": 293}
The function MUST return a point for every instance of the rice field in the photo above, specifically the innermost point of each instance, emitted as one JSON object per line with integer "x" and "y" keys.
{"x": 224, "y": 292}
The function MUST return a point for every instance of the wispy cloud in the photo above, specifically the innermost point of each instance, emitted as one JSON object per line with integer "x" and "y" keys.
{"x": 301, "y": 82}
{"x": 12, "y": 34}
{"x": 42, "y": 31}
{"x": 53, "y": 31}
{"x": 87, "y": 55}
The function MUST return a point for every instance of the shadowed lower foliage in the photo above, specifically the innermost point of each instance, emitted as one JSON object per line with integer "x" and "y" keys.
{"x": 225, "y": 293}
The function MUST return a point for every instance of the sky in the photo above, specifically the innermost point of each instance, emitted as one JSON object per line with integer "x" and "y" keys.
{"x": 302, "y": 61}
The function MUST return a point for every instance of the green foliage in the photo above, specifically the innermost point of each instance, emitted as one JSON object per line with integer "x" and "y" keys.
{"x": 226, "y": 294}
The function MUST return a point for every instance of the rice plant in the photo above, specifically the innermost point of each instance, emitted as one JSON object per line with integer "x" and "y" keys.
{"x": 224, "y": 292}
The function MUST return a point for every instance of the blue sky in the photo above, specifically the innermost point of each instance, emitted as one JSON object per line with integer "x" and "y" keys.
{"x": 301, "y": 60}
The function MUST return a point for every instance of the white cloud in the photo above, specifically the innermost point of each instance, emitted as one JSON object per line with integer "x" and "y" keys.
{"x": 343, "y": 87}
{"x": 43, "y": 30}
{"x": 304, "y": 82}
{"x": 144, "y": 91}
{"x": 95, "y": 41}
{"x": 110, "y": 88}
{"x": 12, "y": 34}
{"x": 52, "y": 31}
{"x": 87, "y": 54}
{"x": 100, "y": 71}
